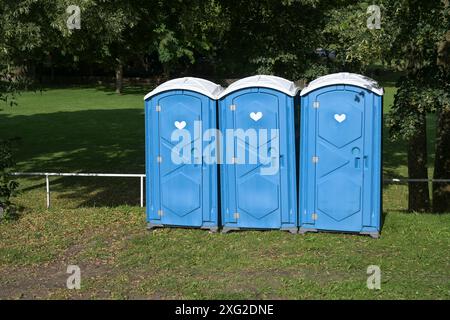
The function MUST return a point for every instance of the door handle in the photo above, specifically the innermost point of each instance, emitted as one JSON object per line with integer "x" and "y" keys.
{"x": 357, "y": 162}
{"x": 366, "y": 162}
{"x": 197, "y": 157}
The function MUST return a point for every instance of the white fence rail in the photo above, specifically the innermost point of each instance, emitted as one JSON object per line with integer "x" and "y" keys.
{"x": 416, "y": 180}
{"x": 61, "y": 174}
{"x": 142, "y": 177}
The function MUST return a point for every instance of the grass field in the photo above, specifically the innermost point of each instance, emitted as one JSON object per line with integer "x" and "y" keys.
{"x": 96, "y": 223}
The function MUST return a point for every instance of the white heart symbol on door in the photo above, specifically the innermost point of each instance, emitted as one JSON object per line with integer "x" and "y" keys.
{"x": 340, "y": 117}
{"x": 180, "y": 125}
{"x": 256, "y": 116}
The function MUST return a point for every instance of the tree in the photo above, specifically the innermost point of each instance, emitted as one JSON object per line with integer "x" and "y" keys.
{"x": 115, "y": 34}
{"x": 407, "y": 121}
{"x": 410, "y": 30}
{"x": 418, "y": 29}
{"x": 271, "y": 37}
{"x": 441, "y": 190}
{"x": 111, "y": 33}
{"x": 8, "y": 88}
{"x": 355, "y": 44}
{"x": 188, "y": 32}
{"x": 7, "y": 185}
{"x": 29, "y": 32}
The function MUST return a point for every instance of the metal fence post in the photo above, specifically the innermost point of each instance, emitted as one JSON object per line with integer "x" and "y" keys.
{"x": 142, "y": 191}
{"x": 47, "y": 186}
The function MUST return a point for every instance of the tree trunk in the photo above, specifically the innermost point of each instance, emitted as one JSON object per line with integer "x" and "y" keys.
{"x": 119, "y": 77}
{"x": 441, "y": 190}
{"x": 52, "y": 73}
{"x": 419, "y": 196}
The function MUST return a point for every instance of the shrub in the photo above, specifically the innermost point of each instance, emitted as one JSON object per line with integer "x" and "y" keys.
{"x": 8, "y": 186}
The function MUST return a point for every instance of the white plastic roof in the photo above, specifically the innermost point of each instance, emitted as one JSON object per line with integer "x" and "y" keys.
{"x": 344, "y": 78}
{"x": 271, "y": 82}
{"x": 205, "y": 87}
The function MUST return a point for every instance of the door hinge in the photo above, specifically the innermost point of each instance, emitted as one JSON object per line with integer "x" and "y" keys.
{"x": 314, "y": 216}
{"x": 159, "y": 159}
{"x": 158, "y": 108}
{"x": 316, "y": 104}
{"x": 236, "y": 215}
{"x": 233, "y": 107}
{"x": 315, "y": 159}
{"x": 160, "y": 213}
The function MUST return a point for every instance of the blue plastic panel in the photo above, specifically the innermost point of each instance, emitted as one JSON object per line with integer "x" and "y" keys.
{"x": 179, "y": 194}
{"x": 251, "y": 199}
{"x": 340, "y": 162}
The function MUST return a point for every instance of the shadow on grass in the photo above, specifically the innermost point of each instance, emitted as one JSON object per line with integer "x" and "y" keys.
{"x": 107, "y": 88}
{"x": 101, "y": 141}
{"x": 384, "y": 215}
{"x": 394, "y": 156}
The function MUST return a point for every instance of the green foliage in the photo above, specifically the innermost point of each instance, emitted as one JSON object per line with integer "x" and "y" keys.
{"x": 13, "y": 39}
{"x": 347, "y": 34}
{"x": 187, "y": 30}
{"x": 419, "y": 26}
{"x": 415, "y": 97}
{"x": 168, "y": 46}
{"x": 274, "y": 65}
{"x": 416, "y": 28}
{"x": 316, "y": 70}
{"x": 7, "y": 185}
{"x": 270, "y": 37}
{"x": 8, "y": 89}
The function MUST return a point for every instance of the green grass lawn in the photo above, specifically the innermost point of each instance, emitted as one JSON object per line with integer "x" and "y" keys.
{"x": 79, "y": 130}
{"x": 96, "y": 224}
{"x": 120, "y": 259}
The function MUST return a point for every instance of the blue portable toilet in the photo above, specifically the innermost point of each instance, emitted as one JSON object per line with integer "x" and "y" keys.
{"x": 181, "y": 189}
{"x": 258, "y": 186}
{"x": 340, "y": 155}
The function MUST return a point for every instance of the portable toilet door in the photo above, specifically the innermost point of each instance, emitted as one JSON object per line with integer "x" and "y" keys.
{"x": 181, "y": 189}
{"x": 258, "y": 172}
{"x": 340, "y": 155}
